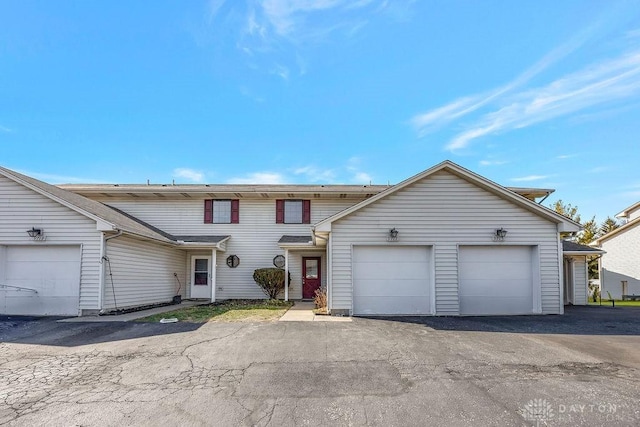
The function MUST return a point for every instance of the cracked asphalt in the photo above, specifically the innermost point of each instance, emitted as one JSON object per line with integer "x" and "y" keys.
{"x": 579, "y": 369}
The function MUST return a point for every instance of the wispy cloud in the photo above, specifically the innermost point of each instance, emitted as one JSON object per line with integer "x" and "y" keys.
{"x": 436, "y": 118}
{"x": 362, "y": 178}
{"x": 5, "y": 129}
{"x": 598, "y": 169}
{"x": 259, "y": 178}
{"x": 274, "y": 35}
{"x": 355, "y": 169}
{"x": 490, "y": 162}
{"x": 514, "y": 106}
{"x": 60, "y": 179}
{"x": 316, "y": 174}
{"x": 248, "y": 93}
{"x": 599, "y": 84}
{"x": 566, "y": 156}
{"x": 280, "y": 71}
{"x": 530, "y": 178}
{"x": 188, "y": 174}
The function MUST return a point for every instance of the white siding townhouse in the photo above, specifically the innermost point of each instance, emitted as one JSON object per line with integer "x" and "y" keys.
{"x": 444, "y": 242}
{"x": 620, "y": 266}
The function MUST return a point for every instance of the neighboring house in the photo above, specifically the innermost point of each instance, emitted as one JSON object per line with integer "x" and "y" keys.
{"x": 444, "y": 242}
{"x": 576, "y": 271}
{"x": 620, "y": 266}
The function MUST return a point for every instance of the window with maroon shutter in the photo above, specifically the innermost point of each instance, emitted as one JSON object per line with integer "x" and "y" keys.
{"x": 293, "y": 211}
{"x": 221, "y": 211}
{"x": 208, "y": 211}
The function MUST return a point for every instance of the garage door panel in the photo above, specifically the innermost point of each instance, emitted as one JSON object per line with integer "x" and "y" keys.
{"x": 496, "y": 288}
{"x": 389, "y": 271}
{"x": 382, "y": 287}
{"x": 392, "y": 305}
{"x": 388, "y": 254}
{"x": 495, "y": 280}
{"x": 503, "y": 271}
{"x": 494, "y": 254}
{"x": 480, "y": 306}
{"x": 53, "y": 272}
{"x": 391, "y": 280}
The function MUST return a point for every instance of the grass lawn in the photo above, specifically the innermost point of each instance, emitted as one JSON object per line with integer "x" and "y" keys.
{"x": 227, "y": 311}
{"x": 619, "y": 303}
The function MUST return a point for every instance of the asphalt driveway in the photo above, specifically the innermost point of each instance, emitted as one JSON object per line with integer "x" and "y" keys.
{"x": 579, "y": 369}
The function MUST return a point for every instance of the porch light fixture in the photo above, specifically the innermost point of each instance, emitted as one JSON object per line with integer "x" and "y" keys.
{"x": 393, "y": 235}
{"x": 34, "y": 232}
{"x": 501, "y": 233}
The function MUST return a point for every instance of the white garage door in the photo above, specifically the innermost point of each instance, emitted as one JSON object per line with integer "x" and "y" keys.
{"x": 41, "y": 280}
{"x": 496, "y": 280}
{"x": 391, "y": 280}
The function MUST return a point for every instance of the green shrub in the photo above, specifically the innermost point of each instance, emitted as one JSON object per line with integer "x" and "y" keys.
{"x": 270, "y": 280}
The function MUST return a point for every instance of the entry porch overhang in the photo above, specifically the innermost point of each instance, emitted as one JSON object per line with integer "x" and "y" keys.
{"x": 217, "y": 243}
{"x": 297, "y": 243}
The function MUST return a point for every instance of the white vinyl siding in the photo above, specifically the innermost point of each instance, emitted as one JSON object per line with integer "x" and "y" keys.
{"x": 580, "y": 281}
{"x": 142, "y": 273}
{"x": 621, "y": 263}
{"x": 22, "y": 208}
{"x": 254, "y": 240}
{"x": 444, "y": 210}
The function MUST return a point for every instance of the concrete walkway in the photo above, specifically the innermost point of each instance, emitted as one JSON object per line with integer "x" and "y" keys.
{"x": 127, "y": 317}
{"x": 302, "y": 311}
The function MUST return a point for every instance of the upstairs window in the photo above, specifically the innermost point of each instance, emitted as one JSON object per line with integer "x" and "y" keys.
{"x": 221, "y": 211}
{"x": 293, "y": 211}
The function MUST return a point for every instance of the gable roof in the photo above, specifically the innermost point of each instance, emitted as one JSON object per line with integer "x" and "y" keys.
{"x": 92, "y": 209}
{"x": 616, "y": 232}
{"x": 625, "y": 212}
{"x": 573, "y": 248}
{"x": 565, "y": 223}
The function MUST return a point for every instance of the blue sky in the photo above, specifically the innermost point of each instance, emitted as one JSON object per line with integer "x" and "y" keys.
{"x": 527, "y": 93}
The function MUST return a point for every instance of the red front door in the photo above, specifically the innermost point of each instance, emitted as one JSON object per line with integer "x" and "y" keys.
{"x": 311, "y": 278}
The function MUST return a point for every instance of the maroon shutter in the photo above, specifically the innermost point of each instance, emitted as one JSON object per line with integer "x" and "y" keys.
{"x": 208, "y": 211}
{"x": 235, "y": 211}
{"x": 306, "y": 211}
{"x": 279, "y": 211}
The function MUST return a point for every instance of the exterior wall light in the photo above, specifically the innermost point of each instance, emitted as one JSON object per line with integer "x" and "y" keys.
{"x": 501, "y": 233}
{"x": 34, "y": 233}
{"x": 393, "y": 235}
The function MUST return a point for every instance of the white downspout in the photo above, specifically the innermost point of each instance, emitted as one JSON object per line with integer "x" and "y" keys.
{"x": 329, "y": 273}
{"x": 560, "y": 271}
{"x": 286, "y": 274}
{"x": 214, "y": 282}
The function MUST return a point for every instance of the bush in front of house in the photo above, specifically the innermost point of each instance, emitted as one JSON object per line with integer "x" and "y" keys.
{"x": 270, "y": 280}
{"x": 320, "y": 300}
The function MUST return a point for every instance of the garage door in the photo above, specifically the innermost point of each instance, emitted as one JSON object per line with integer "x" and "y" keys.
{"x": 391, "y": 280}
{"x": 496, "y": 280}
{"x": 40, "y": 280}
